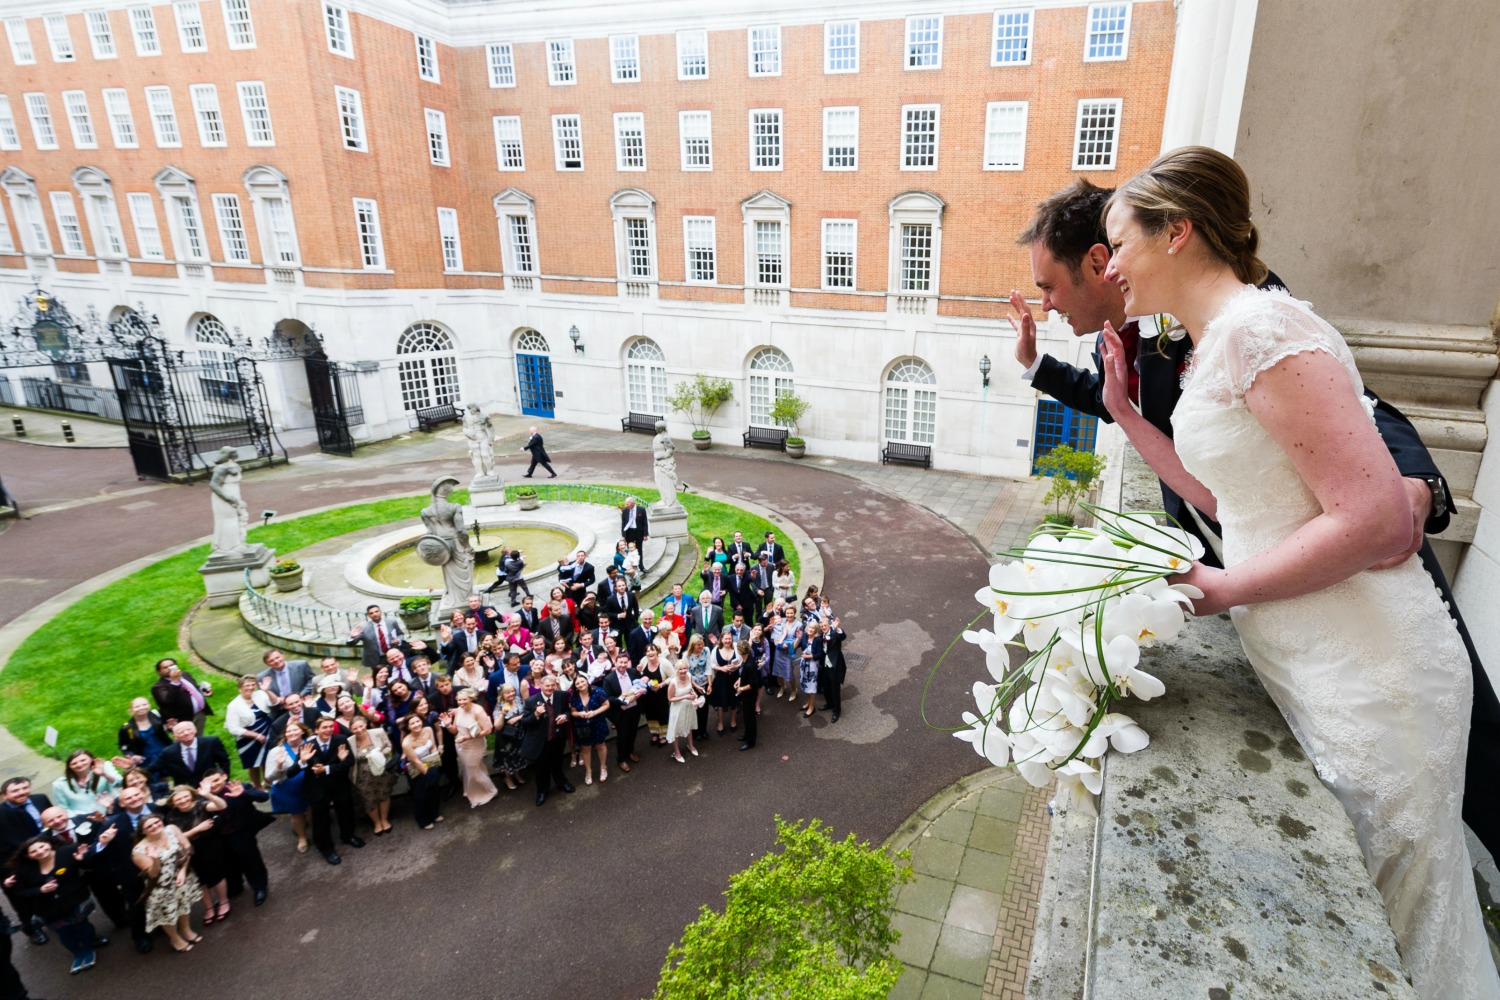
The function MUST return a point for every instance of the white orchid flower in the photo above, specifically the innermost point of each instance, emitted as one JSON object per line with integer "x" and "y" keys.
{"x": 996, "y": 653}
{"x": 987, "y": 738}
{"x": 1083, "y": 771}
{"x": 1131, "y": 679}
{"x": 1143, "y": 619}
{"x": 1121, "y": 654}
{"x": 1123, "y": 733}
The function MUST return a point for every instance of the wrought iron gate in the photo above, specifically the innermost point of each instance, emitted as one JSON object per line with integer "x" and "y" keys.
{"x": 179, "y": 411}
{"x": 335, "y": 403}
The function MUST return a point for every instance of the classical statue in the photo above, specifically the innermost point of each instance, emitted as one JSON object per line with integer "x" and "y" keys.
{"x": 446, "y": 544}
{"x": 481, "y": 437}
{"x": 231, "y": 513}
{"x": 665, "y": 455}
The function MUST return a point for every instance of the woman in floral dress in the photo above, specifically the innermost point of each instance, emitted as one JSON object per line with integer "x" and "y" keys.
{"x": 162, "y": 853}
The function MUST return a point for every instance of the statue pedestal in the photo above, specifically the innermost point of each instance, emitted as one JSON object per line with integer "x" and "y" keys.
{"x": 488, "y": 491}
{"x": 668, "y": 522}
{"x": 224, "y": 574}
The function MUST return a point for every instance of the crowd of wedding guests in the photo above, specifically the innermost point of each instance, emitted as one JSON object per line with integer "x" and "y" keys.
{"x": 531, "y": 692}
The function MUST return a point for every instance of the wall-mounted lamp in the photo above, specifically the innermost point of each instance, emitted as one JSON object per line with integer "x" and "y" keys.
{"x": 984, "y": 370}
{"x": 575, "y": 336}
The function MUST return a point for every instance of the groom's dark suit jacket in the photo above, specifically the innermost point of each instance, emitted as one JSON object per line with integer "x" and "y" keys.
{"x": 1160, "y": 389}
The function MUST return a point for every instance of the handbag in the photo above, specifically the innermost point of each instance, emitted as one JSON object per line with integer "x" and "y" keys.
{"x": 376, "y": 762}
{"x": 699, "y": 701}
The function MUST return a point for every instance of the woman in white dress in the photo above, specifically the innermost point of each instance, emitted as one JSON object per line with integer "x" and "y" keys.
{"x": 1274, "y": 439}
{"x": 682, "y": 693}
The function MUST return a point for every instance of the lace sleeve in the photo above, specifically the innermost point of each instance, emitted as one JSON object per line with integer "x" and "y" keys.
{"x": 1262, "y": 329}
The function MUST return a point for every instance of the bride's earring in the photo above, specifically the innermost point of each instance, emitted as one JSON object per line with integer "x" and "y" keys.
{"x": 1171, "y": 250}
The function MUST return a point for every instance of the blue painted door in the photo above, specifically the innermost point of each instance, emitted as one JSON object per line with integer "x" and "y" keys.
{"x": 534, "y": 378}
{"x": 1057, "y": 424}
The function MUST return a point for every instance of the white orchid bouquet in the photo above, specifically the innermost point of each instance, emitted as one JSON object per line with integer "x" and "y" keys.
{"x": 1083, "y": 602}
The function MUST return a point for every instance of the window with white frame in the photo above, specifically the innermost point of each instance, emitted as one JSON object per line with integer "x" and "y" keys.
{"x": 509, "y": 153}
{"x": 502, "y": 62}
{"x": 40, "y": 114}
{"x": 231, "y": 223}
{"x": 100, "y": 212}
{"x": 367, "y": 226}
{"x": 919, "y": 136}
{"x": 7, "y": 241}
{"x": 20, "y": 41}
{"x": 838, "y": 253}
{"x": 10, "y": 135}
{"x": 911, "y": 403}
{"x": 916, "y": 258}
{"x": 765, "y": 139}
{"x": 80, "y": 122}
{"x": 696, "y": 129}
{"x": 121, "y": 119}
{"x": 630, "y": 141}
{"x": 188, "y": 234}
{"x": 1012, "y": 38}
{"x": 65, "y": 213}
{"x": 1098, "y": 134}
{"x": 59, "y": 38}
{"x": 914, "y": 251}
{"x": 270, "y": 201}
{"x": 625, "y": 58}
{"x": 143, "y": 30}
{"x": 256, "y": 112}
{"x": 640, "y": 255}
{"x": 1108, "y": 32}
{"x": 770, "y": 252}
{"x": 567, "y": 142}
{"x": 163, "y": 117}
{"x": 453, "y": 254}
{"x": 351, "y": 118}
{"x": 841, "y": 138}
{"x": 336, "y": 29}
{"x": 147, "y": 231}
{"x": 561, "y": 70}
{"x": 633, "y": 212}
{"x": 283, "y": 232}
{"x": 765, "y": 50}
{"x": 427, "y": 367}
{"x": 101, "y": 35}
{"x": 692, "y": 55}
{"x": 841, "y": 47}
{"x": 924, "y": 41}
{"x": 206, "y": 110}
{"x": 522, "y": 255}
{"x": 29, "y": 220}
{"x": 770, "y": 378}
{"x": 217, "y": 356}
{"x": 646, "y": 378}
{"x": 238, "y": 24}
{"x": 1005, "y": 135}
{"x": 190, "y": 31}
{"x": 702, "y": 255}
{"x": 427, "y": 59}
{"x": 437, "y": 137}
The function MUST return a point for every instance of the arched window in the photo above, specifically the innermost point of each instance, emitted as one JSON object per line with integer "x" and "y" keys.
{"x": 646, "y": 378}
{"x": 217, "y": 364}
{"x": 427, "y": 367}
{"x": 533, "y": 343}
{"x": 911, "y": 403}
{"x": 770, "y": 376}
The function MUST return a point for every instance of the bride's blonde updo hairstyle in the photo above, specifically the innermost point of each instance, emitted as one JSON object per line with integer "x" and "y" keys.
{"x": 1208, "y": 189}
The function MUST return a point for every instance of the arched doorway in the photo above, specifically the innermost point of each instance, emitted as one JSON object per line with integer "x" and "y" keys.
{"x": 911, "y": 403}
{"x": 427, "y": 366}
{"x": 770, "y": 376}
{"x": 646, "y": 378}
{"x": 534, "y": 374}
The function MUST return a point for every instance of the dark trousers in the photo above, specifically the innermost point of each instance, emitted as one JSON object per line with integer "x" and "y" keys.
{"x": 24, "y": 907}
{"x": 543, "y": 462}
{"x": 341, "y": 797}
{"x": 626, "y": 725}
{"x": 11, "y": 987}
{"x": 702, "y": 731}
{"x": 245, "y": 863}
{"x": 747, "y": 713}
{"x": 106, "y": 892}
{"x": 424, "y": 796}
{"x": 77, "y": 936}
{"x": 549, "y": 766}
{"x": 521, "y": 586}
{"x": 831, "y": 689}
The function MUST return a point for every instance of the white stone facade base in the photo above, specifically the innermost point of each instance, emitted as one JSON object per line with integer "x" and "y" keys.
{"x": 668, "y": 522}
{"x": 487, "y": 492}
{"x": 224, "y": 576}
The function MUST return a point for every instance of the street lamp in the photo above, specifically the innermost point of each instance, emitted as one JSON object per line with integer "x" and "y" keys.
{"x": 575, "y": 336}
{"x": 984, "y": 369}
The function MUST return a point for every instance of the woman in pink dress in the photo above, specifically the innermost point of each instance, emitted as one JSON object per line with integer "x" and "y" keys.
{"x": 470, "y": 725}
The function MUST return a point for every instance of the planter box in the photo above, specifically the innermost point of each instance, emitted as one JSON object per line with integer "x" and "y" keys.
{"x": 287, "y": 581}
{"x": 529, "y": 503}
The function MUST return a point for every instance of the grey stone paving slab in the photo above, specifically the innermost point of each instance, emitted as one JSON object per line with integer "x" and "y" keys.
{"x": 925, "y": 896}
{"x": 939, "y": 858}
{"x": 982, "y": 869}
{"x": 953, "y": 825}
{"x": 962, "y": 954}
{"x": 919, "y": 937}
{"x": 939, "y": 987}
{"x": 976, "y": 910}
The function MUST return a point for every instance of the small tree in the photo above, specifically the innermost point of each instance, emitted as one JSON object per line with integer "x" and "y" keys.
{"x": 808, "y": 923}
{"x": 1072, "y": 474}
{"x": 788, "y": 410}
{"x": 700, "y": 398}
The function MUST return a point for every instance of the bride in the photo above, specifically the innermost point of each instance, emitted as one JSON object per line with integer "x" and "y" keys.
{"x": 1274, "y": 440}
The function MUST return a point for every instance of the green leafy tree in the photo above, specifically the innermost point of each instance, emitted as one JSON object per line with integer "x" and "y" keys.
{"x": 700, "y": 398}
{"x": 810, "y": 922}
{"x": 788, "y": 410}
{"x": 1072, "y": 473}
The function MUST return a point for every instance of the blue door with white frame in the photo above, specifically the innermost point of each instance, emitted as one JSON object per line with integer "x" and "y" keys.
{"x": 1057, "y": 424}
{"x": 534, "y": 380}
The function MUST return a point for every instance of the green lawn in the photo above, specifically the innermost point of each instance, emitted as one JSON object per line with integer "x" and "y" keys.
{"x": 79, "y": 671}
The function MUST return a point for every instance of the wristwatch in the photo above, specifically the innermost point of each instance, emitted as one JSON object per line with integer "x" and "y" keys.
{"x": 1440, "y": 502}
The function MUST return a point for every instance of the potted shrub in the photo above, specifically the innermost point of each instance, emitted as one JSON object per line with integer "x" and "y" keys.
{"x": 1073, "y": 474}
{"x": 787, "y": 411}
{"x": 286, "y": 574}
{"x": 700, "y": 398}
{"x": 526, "y": 496}
{"x": 416, "y": 612}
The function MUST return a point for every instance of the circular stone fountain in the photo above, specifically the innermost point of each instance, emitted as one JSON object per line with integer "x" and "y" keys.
{"x": 403, "y": 568}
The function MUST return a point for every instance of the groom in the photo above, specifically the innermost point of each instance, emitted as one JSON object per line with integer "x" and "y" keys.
{"x": 1069, "y": 254}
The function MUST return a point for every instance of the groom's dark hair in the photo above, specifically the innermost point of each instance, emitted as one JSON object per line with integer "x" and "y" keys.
{"x": 1069, "y": 222}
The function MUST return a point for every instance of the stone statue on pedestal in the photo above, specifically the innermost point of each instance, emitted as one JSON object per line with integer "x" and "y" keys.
{"x": 231, "y": 513}
{"x": 446, "y": 544}
{"x": 664, "y": 454}
{"x": 481, "y": 437}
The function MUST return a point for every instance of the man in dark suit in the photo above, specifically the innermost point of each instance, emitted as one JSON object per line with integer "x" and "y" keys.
{"x": 831, "y": 673}
{"x": 293, "y": 706}
{"x": 740, "y": 551}
{"x": 576, "y": 577}
{"x": 20, "y": 820}
{"x": 706, "y": 620}
{"x": 178, "y": 695}
{"x": 190, "y": 758}
{"x": 715, "y": 587}
{"x": 624, "y": 708}
{"x": 741, "y": 597}
{"x": 622, "y": 610}
{"x": 423, "y": 680}
{"x": 747, "y": 685}
{"x": 1069, "y": 258}
{"x": 238, "y": 826}
{"x": 487, "y": 618}
{"x": 544, "y": 737}
{"x": 772, "y": 548}
{"x": 638, "y": 638}
{"x": 538, "y": 454}
{"x": 327, "y": 765}
{"x": 287, "y": 676}
{"x": 635, "y": 526}
{"x": 762, "y": 585}
{"x": 460, "y": 642}
{"x": 528, "y": 614}
{"x": 378, "y": 635}
{"x": 114, "y": 859}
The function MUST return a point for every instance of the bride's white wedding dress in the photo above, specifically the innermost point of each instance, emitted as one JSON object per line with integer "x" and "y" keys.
{"x": 1370, "y": 673}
